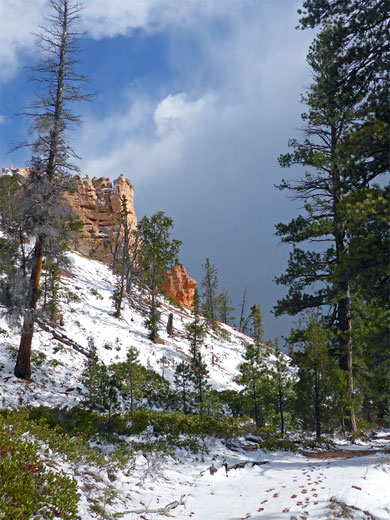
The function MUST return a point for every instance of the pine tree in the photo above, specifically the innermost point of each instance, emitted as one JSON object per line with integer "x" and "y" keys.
{"x": 91, "y": 374}
{"x": 199, "y": 373}
{"x": 250, "y": 377}
{"x": 182, "y": 380}
{"x": 242, "y": 314}
{"x": 320, "y": 396}
{"x": 281, "y": 383}
{"x": 210, "y": 294}
{"x": 130, "y": 375}
{"x": 125, "y": 257}
{"x": 255, "y": 324}
{"x": 224, "y": 308}
{"x": 51, "y": 153}
{"x": 342, "y": 160}
{"x": 157, "y": 256}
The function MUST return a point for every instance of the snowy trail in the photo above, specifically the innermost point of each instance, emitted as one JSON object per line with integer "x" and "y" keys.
{"x": 289, "y": 486}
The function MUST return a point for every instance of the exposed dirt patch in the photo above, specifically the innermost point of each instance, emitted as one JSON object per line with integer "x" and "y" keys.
{"x": 341, "y": 454}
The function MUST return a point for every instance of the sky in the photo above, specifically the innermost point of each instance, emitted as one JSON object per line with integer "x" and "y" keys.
{"x": 194, "y": 101}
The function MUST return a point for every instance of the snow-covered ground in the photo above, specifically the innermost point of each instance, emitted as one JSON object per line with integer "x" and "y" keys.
{"x": 224, "y": 484}
{"x": 87, "y": 290}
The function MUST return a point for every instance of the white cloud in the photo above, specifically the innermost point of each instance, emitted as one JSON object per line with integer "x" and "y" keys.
{"x": 249, "y": 87}
{"x": 18, "y": 20}
{"x": 175, "y": 113}
{"x": 3, "y": 120}
{"x": 119, "y": 17}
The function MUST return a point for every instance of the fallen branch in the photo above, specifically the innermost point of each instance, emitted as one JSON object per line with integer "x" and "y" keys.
{"x": 164, "y": 511}
{"x": 59, "y": 336}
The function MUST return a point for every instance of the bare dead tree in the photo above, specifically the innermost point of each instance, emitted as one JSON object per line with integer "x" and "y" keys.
{"x": 59, "y": 85}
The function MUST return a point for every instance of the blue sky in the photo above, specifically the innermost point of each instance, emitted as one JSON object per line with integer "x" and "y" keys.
{"x": 194, "y": 102}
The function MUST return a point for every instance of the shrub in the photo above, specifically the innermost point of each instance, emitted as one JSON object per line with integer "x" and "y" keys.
{"x": 96, "y": 293}
{"x": 27, "y": 489}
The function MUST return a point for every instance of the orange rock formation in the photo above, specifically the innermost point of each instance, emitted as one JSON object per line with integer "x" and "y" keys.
{"x": 97, "y": 203}
{"x": 180, "y": 286}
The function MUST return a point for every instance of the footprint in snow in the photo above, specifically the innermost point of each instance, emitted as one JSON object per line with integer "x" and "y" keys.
{"x": 293, "y": 496}
{"x": 286, "y": 510}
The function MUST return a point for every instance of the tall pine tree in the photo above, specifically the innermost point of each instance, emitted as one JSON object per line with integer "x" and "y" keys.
{"x": 338, "y": 165}
{"x": 51, "y": 153}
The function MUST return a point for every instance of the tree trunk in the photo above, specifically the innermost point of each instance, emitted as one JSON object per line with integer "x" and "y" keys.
{"x": 281, "y": 410}
{"x": 23, "y": 363}
{"x": 347, "y": 358}
{"x": 317, "y": 405}
{"x": 344, "y": 302}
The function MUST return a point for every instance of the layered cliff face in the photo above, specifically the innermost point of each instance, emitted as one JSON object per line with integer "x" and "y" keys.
{"x": 98, "y": 204}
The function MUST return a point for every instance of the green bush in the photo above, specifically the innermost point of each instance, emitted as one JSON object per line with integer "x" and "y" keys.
{"x": 96, "y": 293}
{"x": 27, "y": 489}
{"x": 176, "y": 423}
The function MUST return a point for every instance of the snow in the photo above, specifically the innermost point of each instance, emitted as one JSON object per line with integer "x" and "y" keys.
{"x": 288, "y": 485}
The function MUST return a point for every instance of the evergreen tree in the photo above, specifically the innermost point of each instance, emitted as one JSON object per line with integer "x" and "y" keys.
{"x": 224, "y": 308}
{"x": 51, "y": 289}
{"x": 13, "y": 254}
{"x": 365, "y": 28}
{"x": 125, "y": 258}
{"x": 251, "y": 378}
{"x": 242, "y": 314}
{"x": 51, "y": 153}
{"x": 255, "y": 324}
{"x": 130, "y": 375}
{"x": 320, "y": 398}
{"x": 182, "y": 380}
{"x": 158, "y": 255}
{"x": 341, "y": 163}
{"x": 199, "y": 373}
{"x": 281, "y": 385}
{"x": 210, "y": 294}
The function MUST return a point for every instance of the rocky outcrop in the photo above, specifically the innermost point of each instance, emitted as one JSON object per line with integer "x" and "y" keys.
{"x": 180, "y": 286}
{"x": 98, "y": 204}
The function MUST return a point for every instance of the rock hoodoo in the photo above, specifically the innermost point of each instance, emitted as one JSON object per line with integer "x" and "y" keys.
{"x": 98, "y": 204}
{"x": 180, "y": 286}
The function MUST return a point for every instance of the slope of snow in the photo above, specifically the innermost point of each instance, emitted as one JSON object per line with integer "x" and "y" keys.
{"x": 87, "y": 289}
{"x": 287, "y": 486}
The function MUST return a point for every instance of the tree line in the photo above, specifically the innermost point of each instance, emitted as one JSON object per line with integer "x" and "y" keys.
{"x": 338, "y": 273}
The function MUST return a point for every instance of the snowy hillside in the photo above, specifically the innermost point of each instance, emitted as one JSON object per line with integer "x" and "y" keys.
{"x": 87, "y": 311}
{"x": 229, "y": 479}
